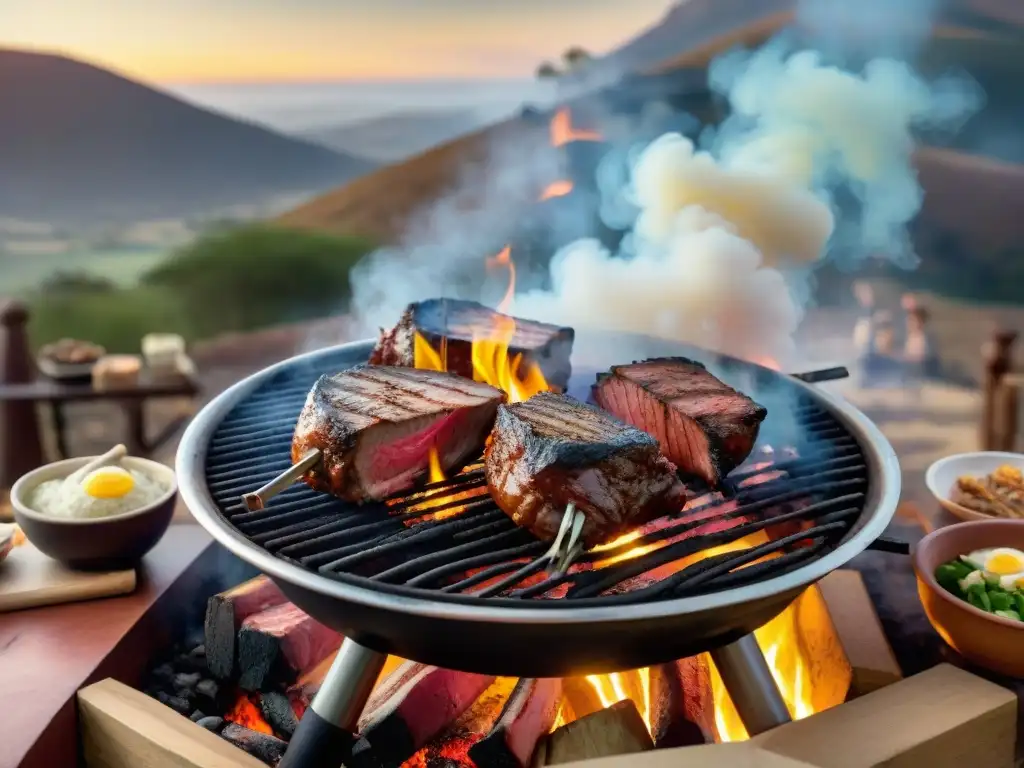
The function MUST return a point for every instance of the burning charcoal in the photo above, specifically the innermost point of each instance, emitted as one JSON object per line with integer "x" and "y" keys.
{"x": 196, "y": 716}
{"x": 224, "y": 616}
{"x": 164, "y": 673}
{"x": 269, "y": 749}
{"x": 281, "y": 642}
{"x": 615, "y": 730}
{"x": 186, "y": 680}
{"x": 459, "y": 322}
{"x": 177, "y": 703}
{"x": 208, "y": 689}
{"x": 412, "y": 705}
{"x": 277, "y": 710}
{"x": 211, "y": 723}
{"x": 526, "y": 718}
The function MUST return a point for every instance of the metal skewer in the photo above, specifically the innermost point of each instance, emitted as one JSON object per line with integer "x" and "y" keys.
{"x": 258, "y": 499}
{"x": 560, "y": 555}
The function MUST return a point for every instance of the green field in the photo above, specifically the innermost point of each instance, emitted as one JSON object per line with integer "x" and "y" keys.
{"x": 20, "y": 274}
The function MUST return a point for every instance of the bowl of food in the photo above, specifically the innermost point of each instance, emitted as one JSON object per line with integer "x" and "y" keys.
{"x": 69, "y": 359}
{"x": 91, "y": 513}
{"x": 970, "y": 578}
{"x": 984, "y": 485}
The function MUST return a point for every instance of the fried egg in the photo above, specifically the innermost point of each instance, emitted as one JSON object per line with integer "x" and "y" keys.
{"x": 1001, "y": 564}
{"x": 108, "y": 483}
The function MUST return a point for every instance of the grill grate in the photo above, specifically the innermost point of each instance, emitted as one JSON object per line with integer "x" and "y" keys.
{"x": 449, "y": 541}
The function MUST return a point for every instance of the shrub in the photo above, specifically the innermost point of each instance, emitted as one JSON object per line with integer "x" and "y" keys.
{"x": 239, "y": 280}
{"x": 259, "y": 275}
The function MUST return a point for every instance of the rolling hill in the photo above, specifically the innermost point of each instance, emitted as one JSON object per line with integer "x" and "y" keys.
{"x": 397, "y": 136}
{"x": 81, "y": 145}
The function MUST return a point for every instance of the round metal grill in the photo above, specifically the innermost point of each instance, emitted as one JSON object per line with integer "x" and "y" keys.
{"x": 800, "y": 496}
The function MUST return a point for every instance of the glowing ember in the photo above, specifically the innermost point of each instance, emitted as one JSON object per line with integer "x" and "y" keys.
{"x": 504, "y": 259}
{"x": 563, "y": 133}
{"x": 559, "y": 188}
{"x": 246, "y": 713}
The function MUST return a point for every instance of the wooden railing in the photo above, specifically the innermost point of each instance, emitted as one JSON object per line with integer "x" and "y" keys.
{"x": 1000, "y": 394}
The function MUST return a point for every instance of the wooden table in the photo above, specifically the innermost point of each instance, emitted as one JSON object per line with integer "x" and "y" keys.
{"x": 47, "y": 654}
{"x": 131, "y": 399}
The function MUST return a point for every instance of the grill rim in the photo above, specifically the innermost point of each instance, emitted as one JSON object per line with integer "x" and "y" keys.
{"x": 880, "y": 505}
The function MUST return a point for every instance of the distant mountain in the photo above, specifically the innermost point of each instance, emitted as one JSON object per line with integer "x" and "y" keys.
{"x": 394, "y": 137}
{"x": 693, "y": 25}
{"x": 80, "y": 145}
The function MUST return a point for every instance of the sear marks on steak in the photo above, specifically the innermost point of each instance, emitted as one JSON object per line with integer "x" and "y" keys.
{"x": 376, "y": 425}
{"x": 705, "y": 427}
{"x": 551, "y": 450}
{"x": 547, "y": 346}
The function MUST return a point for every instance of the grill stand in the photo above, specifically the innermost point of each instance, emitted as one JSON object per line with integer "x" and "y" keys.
{"x": 750, "y": 684}
{"x": 324, "y": 736}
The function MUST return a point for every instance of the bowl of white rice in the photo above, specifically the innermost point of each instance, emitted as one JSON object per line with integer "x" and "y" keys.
{"x": 109, "y": 519}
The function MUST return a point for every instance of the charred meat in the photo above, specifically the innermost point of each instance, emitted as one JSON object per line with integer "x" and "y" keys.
{"x": 705, "y": 427}
{"x": 551, "y": 450}
{"x": 376, "y": 426}
{"x": 458, "y": 322}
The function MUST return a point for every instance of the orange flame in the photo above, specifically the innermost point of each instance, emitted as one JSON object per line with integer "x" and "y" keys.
{"x": 504, "y": 259}
{"x": 563, "y": 133}
{"x": 559, "y": 188}
{"x": 436, "y": 473}
{"x": 244, "y": 712}
{"x": 492, "y": 364}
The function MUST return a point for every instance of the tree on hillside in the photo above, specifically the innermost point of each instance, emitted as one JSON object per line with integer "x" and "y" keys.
{"x": 574, "y": 60}
{"x": 547, "y": 70}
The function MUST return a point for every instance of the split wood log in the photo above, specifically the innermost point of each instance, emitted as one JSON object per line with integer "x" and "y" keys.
{"x": 615, "y": 730}
{"x": 281, "y": 643}
{"x": 525, "y": 720}
{"x": 124, "y": 728}
{"x": 411, "y": 706}
{"x": 224, "y": 616}
{"x": 942, "y": 718}
{"x": 860, "y": 632}
{"x": 682, "y": 705}
{"x": 738, "y": 755}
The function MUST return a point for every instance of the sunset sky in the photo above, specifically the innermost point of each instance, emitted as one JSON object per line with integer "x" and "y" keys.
{"x": 279, "y": 40}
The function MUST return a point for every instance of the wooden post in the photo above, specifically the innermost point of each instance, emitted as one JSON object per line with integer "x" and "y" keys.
{"x": 1007, "y": 416}
{"x": 998, "y": 354}
{"x": 21, "y": 448}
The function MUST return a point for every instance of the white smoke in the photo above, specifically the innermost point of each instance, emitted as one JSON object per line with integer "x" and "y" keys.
{"x": 719, "y": 235}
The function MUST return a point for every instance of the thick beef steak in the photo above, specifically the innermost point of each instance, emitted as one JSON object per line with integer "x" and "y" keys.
{"x": 551, "y": 450}
{"x": 375, "y": 427}
{"x": 458, "y": 322}
{"x": 705, "y": 427}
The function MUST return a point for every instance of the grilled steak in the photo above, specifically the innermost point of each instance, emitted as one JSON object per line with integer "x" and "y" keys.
{"x": 459, "y": 322}
{"x": 375, "y": 426}
{"x": 551, "y": 450}
{"x": 705, "y": 427}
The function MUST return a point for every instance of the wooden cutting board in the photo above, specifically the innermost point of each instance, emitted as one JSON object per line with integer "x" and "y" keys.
{"x": 29, "y": 579}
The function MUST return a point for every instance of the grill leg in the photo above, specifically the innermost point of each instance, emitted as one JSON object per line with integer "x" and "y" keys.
{"x": 751, "y": 686}
{"x": 324, "y": 736}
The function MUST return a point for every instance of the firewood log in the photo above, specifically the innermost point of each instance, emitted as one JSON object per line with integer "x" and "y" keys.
{"x": 224, "y": 616}
{"x": 280, "y": 644}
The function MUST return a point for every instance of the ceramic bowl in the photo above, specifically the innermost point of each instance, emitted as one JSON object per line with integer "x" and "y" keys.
{"x": 106, "y": 543}
{"x": 941, "y": 477}
{"x": 982, "y": 638}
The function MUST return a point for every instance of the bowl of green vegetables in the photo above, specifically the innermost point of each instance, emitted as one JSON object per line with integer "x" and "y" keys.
{"x": 970, "y": 578}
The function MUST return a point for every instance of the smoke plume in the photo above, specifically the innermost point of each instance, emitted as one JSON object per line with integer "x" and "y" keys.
{"x": 814, "y": 162}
